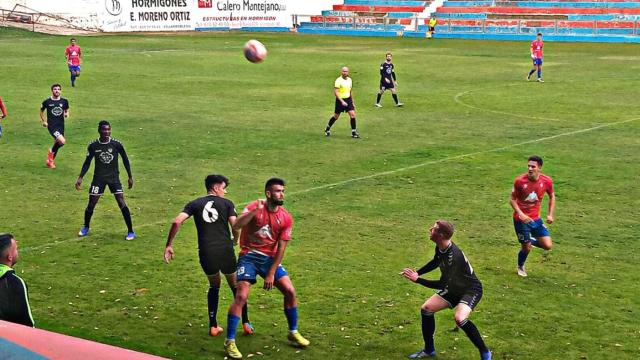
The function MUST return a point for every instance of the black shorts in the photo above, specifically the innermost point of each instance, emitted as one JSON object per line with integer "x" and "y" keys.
{"x": 432, "y": 28}
{"x": 341, "y": 108}
{"x": 98, "y": 186}
{"x": 214, "y": 260}
{"x": 56, "y": 130}
{"x": 470, "y": 297}
{"x": 386, "y": 85}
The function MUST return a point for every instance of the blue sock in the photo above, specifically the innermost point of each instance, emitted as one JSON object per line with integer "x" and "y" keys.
{"x": 539, "y": 73}
{"x": 73, "y": 79}
{"x": 522, "y": 257}
{"x": 292, "y": 318}
{"x": 232, "y": 325}
{"x": 532, "y": 71}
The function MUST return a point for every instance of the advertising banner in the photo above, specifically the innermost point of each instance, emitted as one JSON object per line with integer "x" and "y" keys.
{"x": 177, "y": 15}
{"x": 146, "y": 15}
{"x": 235, "y": 14}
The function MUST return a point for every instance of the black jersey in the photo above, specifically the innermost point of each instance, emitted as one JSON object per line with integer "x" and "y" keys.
{"x": 106, "y": 155}
{"x": 14, "y": 300}
{"x": 211, "y": 215}
{"x": 55, "y": 110}
{"x": 456, "y": 272}
{"x": 386, "y": 71}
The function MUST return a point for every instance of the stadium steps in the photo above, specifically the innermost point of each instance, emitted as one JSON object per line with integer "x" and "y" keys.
{"x": 578, "y": 20}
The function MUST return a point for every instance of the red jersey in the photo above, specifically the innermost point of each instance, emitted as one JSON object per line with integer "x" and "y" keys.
{"x": 528, "y": 194}
{"x": 73, "y": 52}
{"x": 3, "y": 109}
{"x": 263, "y": 232}
{"x": 536, "y": 48}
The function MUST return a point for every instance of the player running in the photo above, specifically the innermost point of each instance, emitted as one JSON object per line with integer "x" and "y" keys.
{"x": 458, "y": 287}
{"x": 388, "y": 81}
{"x": 536, "y": 56}
{"x": 73, "y": 55}
{"x": 266, "y": 230}
{"x": 526, "y": 197}
{"x": 212, "y": 215}
{"x": 56, "y": 109}
{"x": 106, "y": 173}
{"x": 344, "y": 102}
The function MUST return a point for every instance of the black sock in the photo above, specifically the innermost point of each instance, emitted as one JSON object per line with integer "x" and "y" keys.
{"x": 395, "y": 97}
{"x": 245, "y": 312}
{"x": 331, "y": 122}
{"x": 532, "y": 71}
{"x": 212, "y": 305}
{"x": 126, "y": 214}
{"x": 474, "y": 335}
{"x": 353, "y": 125}
{"x": 428, "y": 329}
{"x": 87, "y": 216}
{"x": 379, "y": 97}
{"x": 55, "y": 148}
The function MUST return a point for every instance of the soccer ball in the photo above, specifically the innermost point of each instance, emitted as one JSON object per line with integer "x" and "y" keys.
{"x": 254, "y": 51}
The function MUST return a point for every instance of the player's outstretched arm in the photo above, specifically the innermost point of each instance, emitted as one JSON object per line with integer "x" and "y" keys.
{"x": 175, "y": 227}
{"x": 413, "y": 276}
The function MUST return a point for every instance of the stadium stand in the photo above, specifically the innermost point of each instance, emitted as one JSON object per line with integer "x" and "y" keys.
{"x": 559, "y": 20}
{"x": 366, "y": 18}
{"x": 575, "y": 20}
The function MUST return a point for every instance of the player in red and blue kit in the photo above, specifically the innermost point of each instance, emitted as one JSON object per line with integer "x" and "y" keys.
{"x": 536, "y": 57}
{"x": 526, "y": 197}
{"x": 72, "y": 53}
{"x": 266, "y": 231}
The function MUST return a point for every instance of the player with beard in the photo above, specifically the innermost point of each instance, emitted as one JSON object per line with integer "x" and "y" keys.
{"x": 388, "y": 81}
{"x": 56, "y": 109}
{"x": 266, "y": 231}
{"x": 106, "y": 151}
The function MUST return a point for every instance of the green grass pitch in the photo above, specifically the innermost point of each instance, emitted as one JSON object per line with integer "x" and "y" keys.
{"x": 187, "y": 105}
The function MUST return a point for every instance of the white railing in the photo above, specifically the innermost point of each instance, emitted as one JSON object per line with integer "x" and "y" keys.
{"x": 24, "y": 15}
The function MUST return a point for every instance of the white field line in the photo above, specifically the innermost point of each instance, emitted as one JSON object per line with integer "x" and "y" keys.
{"x": 380, "y": 174}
